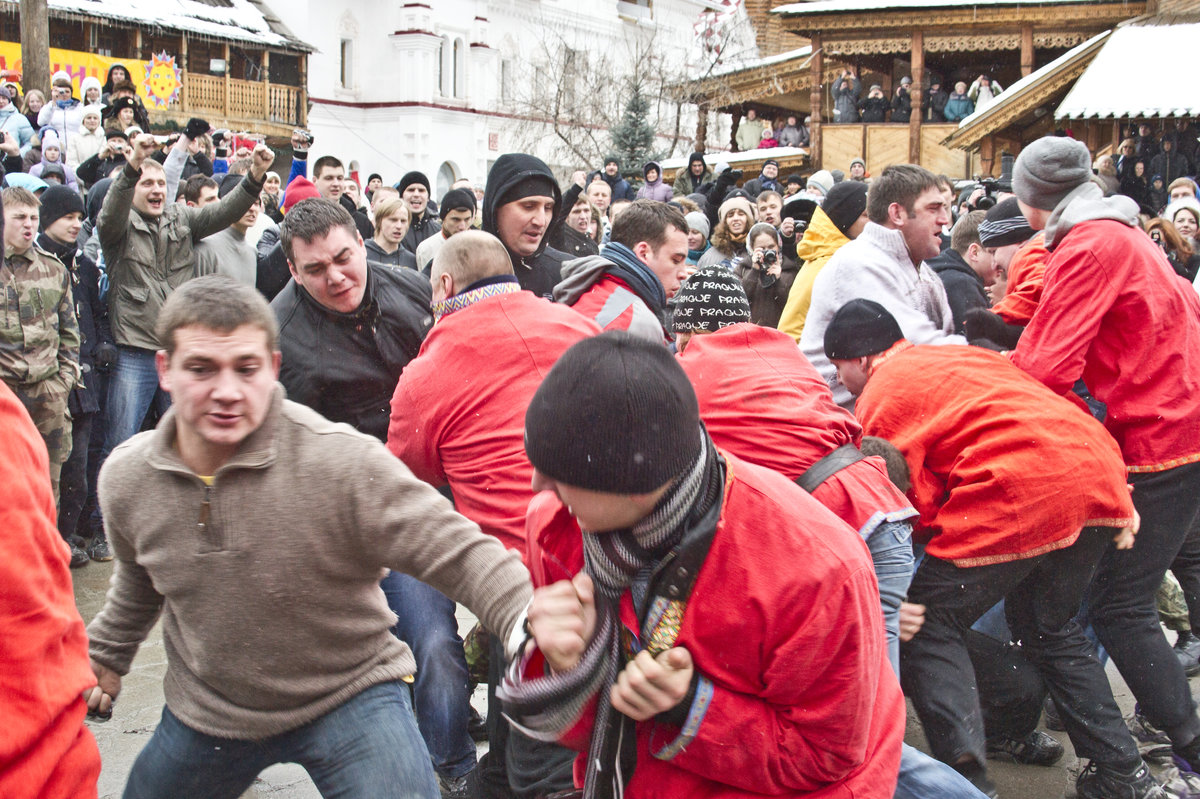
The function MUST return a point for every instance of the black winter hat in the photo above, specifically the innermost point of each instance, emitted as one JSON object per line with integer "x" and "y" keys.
{"x": 1004, "y": 225}
{"x": 411, "y": 178}
{"x": 860, "y": 327}
{"x": 612, "y": 159}
{"x": 57, "y": 202}
{"x": 114, "y": 133}
{"x": 228, "y": 184}
{"x": 121, "y": 103}
{"x": 790, "y": 179}
{"x": 712, "y": 298}
{"x": 845, "y": 203}
{"x": 456, "y": 200}
{"x": 616, "y": 414}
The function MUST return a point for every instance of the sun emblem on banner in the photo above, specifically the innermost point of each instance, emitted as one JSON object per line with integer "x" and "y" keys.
{"x": 162, "y": 81}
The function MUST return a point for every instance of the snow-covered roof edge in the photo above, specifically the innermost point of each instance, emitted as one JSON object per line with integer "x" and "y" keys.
{"x": 838, "y": 6}
{"x": 779, "y": 58}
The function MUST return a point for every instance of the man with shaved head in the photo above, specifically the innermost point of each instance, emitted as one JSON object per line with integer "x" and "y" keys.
{"x": 458, "y": 419}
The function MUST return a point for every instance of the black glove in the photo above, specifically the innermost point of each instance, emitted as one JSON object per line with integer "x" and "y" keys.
{"x": 106, "y": 356}
{"x": 196, "y": 128}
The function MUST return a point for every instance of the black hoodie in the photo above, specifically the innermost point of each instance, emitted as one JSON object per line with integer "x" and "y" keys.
{"x": 541, "y": 271}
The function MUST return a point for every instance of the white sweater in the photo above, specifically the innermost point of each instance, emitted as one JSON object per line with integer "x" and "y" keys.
{"x": 876, "y": 266}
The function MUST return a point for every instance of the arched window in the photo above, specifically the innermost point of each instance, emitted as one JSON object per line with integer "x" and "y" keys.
{"x": 446, "y": 175}
{"x": 446, "y": 67}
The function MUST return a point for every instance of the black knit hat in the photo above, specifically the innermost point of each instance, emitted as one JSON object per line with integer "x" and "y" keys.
{"x": 860, "y": 327}
{"x": 710, "y": 299}
{"x": 529, "y": 186}
{"x": 411, "y": 178}
{"x": 457, "y": 200}
{"x": 120, "y": 104}
{"x": 1004, "y": 224}
{"x": 845, "y": 203}
{"x": 57, "y": 202}
{"x": 615, "y": 414}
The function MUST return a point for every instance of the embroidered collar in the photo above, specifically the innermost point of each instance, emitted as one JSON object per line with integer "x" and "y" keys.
{"x": 885, "y": 356}
{"x": 479, "y": 290}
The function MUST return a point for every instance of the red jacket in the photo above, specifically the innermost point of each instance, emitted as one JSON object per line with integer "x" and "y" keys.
{"x": 458, "y": 412}
{"x": 1115, "y": 313}
{"x": 1026, "y": 279}
{"x": 1001, "y": 468}
{"x": 615, "y": 306}
{"x": 762, "y": 400}
{"x": 45, "y": 749}
{"x": 804, "y": 701}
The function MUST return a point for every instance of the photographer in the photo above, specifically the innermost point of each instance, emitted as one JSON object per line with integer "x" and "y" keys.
{"x": 764, "y": 276}
{"x": 111, "y": 158}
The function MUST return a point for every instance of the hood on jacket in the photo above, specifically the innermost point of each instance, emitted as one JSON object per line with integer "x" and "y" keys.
{"x": 1087, "y": 203}
{"x": 949, "y": 260}
{"x": 821, "y": 239}
{"x": 578, "y": 276}
{"x": 655, "y": 166}
{"x": 509, "y": 170}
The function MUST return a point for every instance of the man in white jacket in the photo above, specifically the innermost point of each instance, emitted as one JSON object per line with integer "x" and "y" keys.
{"x": 886, "y": 264}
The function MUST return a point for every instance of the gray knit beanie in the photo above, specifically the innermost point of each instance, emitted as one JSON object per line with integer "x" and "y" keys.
{"x": 1050, "y": 169}
{"x": 698, "y": 221}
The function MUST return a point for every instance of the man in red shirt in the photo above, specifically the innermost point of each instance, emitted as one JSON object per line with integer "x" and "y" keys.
{"x": 1020, "y": 494}
{"x": 1114, "y": 313}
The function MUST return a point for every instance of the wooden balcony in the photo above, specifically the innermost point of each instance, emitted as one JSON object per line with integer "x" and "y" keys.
{"x": 269, "y": 108}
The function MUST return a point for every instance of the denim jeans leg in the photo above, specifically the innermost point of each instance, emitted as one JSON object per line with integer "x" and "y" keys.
{"x": 426, "y": 622}
{"x": 369, "y": 746}
{"x": 922, "y": 777}
{"x": 179, "y": 761}
{"x": 892, "y": 554}
{"x": 132, "y": 387}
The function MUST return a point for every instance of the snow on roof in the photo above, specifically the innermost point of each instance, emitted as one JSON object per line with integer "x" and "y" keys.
{"x": 837, "y": 6}
{"x": 801, "y": 52}
{"x": 1032, "y": 80}
{"x": 238, "y": 20}
{"x": 733, "y": 159}
{"x": 1111, "y": 88}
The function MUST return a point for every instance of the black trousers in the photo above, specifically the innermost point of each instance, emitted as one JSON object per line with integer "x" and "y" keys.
{"x": 73, "y": 480}
{"x": 1011, "y": 689}
{"x": 1042, "y": 596}
{"x": 515, "y": 764}
{"x": 1122, "y": 597}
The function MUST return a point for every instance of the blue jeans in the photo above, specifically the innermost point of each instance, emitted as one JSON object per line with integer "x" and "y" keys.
{"x": 132, "y": 387}
{"x": 369, "y": 746}
{"x": 426, "y": 622}
{"x": 892, "y": 553}
{"x": 922, "y": 777}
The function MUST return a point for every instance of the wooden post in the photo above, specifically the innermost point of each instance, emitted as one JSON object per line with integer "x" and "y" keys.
{"x": 1026, "y": 50}
{"x": 302, "y": 104}
{"x": 228, "y": 85}
{"x": 1116, "y": 136}
{"x": 987, "y": 155}
{"x": 701, "y": 126}
{"x": 137, "y": 45}
{"x": 1092, "y": 137}
{"x": 915, "y": 93}
{"x": 816, "y": 71}
{"x": 35, "y": 47}
{"x": 183, "y": 58}
{"x": 266, "y": 84}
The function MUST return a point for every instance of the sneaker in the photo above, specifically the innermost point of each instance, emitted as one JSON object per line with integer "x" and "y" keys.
{"x": 1035, "y": 749}
{"x": 99, "y": 550}
{"x": 1101, "y": 781}
{"x": 1152, "y": 743}
{"x": 1050, "y": 714}
{"x": 457, "y": 787}
{"x": 477, "y": 727}
{"x": 79, "y": 558}
{"x": 1187, "y": 649}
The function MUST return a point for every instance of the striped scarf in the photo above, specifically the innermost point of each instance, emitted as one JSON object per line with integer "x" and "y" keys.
{"x": 545, "y": 707}
{"x": 479, "y": 290}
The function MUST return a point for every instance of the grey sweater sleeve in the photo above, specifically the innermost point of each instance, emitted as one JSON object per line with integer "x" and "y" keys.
{"x": 407, "y": 526}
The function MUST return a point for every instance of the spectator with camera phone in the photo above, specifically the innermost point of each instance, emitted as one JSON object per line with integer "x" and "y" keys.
{"x": 763, "y": 275}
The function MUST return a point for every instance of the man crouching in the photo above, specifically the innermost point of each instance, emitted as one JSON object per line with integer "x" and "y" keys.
{"x": 260, "y": 531}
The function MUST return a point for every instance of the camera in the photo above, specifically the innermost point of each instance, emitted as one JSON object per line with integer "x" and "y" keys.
{"x": 305, "y": 135}
{"x": 770, "y": 258}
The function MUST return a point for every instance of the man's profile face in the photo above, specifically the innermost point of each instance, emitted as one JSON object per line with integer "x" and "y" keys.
{"x": 852, "y": 374}
{"x": 922, "y": 228}
{"x": 522, "y": 223}
{"x": 220, "y": 385}
{"x": 600, "y": 194}
{"x": 770, "y": 210}
{"x": 669, "y": 261}
{"x": 456, "y": 221}
{"x": 598, "y": 511}
{"x": 329, "y": 182}
{"x": 332, "y": 268}
{"x": 150, "y": 192}
{"x": 20, "y": 226}
{"x": 417, "y": 197}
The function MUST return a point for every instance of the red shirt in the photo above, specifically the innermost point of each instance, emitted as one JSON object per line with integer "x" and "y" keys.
{"x": 1001, "y": 468}
{"x": 762, "y": 400}
{"x": 458, "y": 413}
{"x": 804, "y": 702}
{"x": 45, "y": 750}
{"x": 1026, "y": 279}
{"x": 615, "y": 306}
{"x": 1115, "y": 313}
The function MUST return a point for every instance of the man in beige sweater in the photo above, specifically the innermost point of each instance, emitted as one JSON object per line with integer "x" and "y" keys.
{"x": 259, "y": 531}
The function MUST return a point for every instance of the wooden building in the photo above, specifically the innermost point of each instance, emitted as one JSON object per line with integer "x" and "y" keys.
{"x": 241, "y": 67}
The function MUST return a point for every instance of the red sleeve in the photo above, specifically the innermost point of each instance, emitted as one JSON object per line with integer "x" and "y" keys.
{"x": 1079, "y": 291}
{"x": 413, "y": 439}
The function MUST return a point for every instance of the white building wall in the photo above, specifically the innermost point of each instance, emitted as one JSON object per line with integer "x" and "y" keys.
{"x": 401, "y": 109}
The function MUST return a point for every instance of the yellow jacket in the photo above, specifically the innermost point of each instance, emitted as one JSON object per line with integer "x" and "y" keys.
{"x": 821, "y": 240}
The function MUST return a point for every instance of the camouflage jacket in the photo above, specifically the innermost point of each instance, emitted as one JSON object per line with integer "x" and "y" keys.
{"x": 39, "y": 337}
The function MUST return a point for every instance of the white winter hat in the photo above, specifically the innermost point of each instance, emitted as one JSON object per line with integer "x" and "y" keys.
{"x": 821, "y": 180}
{"x": 93, "y": 110}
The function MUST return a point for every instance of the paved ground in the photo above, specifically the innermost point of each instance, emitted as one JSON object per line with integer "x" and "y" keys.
{"x": 141, "y": 701}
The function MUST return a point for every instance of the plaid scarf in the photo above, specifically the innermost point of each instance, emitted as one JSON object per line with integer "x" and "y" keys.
{"x": 479, "y": 290}
{"x": 545, "y": 707}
